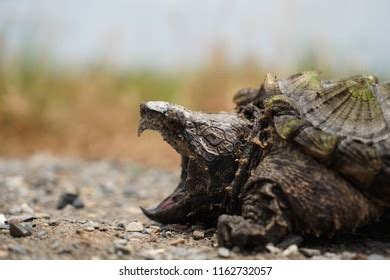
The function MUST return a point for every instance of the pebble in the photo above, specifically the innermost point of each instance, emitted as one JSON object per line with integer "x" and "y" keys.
{"x": 332, "y": 256}
{"x": 177, "y": 241}
{"x": 198, "y": 234}
{"x": 375, "y": 257}
{"x": 20, "y": 219}
{"x": 120, "y": 225}
{"x": 41, "y": 216}
{"x": 120, "y": 247}
{"x": 272, "y": 249}
{"x": 134, "y": 227}
{"x": 54, "y": 223}
{"x": 42, "y": 234}
{"x": 91, "y": 226}
{"x": 55, "y": 245}
{"x": 155, "y": 229}
{"x": 223, "y": 252}
{"x": 3, "y": 222}
{"x": 26, "y": 208}
{"x": 20, "y": 230}
{"x": 153, "y": 254}
{"x": 347, "y": 255}
{"x": 15, "y": 182}
{"x": 71, "y": 199}
{"x": 120, "y": 242}
{"x": 17, "y": 248}
{"x": 307, "y": 252}
{"x": 122, "y": 250}
{"x": 291, "y": 250}
{"x": 129, "y": 190}
{"x": 15, "y": 210}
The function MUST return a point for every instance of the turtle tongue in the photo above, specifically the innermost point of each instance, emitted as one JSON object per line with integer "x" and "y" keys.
{"x": 170, "y": 210}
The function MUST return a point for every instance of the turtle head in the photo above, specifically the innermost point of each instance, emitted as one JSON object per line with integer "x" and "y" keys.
{"x": 209, "y": 145}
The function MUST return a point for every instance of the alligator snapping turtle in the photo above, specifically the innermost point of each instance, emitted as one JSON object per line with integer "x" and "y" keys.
{"x": 300, "y": 156}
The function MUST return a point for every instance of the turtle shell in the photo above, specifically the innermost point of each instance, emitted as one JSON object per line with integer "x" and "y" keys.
{"x": 343, "y": 124}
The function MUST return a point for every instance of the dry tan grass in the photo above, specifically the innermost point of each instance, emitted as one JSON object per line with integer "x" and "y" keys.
{"x": 93, "y": 113}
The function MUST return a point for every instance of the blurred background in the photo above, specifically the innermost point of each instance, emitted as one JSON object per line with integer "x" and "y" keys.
{"x": 72, "y": 73}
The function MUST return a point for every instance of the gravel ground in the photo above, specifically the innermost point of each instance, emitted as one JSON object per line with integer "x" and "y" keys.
{"x": 101, "y": 218}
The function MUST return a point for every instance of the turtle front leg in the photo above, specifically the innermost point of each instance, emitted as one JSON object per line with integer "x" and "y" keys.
{"x": 291, "y": 193}
{"x": 264, "y": 219}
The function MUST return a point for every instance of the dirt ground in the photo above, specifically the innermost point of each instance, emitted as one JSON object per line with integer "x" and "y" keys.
{"x": 111, "y": 225}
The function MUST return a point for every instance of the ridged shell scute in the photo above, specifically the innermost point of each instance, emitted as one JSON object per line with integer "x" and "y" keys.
{"x": 343, "y": 124}
{"x": 350, "y": 107}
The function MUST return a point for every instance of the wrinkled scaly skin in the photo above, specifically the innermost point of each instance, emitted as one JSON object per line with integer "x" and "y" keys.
{"x": 239, "y": 173}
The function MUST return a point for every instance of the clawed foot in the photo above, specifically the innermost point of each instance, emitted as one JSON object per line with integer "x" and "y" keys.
{"x": 237, "y": 231}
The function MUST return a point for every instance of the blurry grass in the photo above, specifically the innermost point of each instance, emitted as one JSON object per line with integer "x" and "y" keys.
{"x": 93, "y": 112}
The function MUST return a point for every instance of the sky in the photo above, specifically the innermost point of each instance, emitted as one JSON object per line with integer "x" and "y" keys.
{"x": 175, "y": 34}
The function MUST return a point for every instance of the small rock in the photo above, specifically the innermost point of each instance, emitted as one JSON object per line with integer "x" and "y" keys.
{"x": 55, "y": 245}
{"x": 3, "y": 222}
{"x": 54, "y": 223}
{"x": 223, "y": 252}
{"x": 15, "y": 182}
{"x": 71, "y": 199}
{"x": 198, "y": 234}
{"x": 153, "y": 254}
{"x": 42, "y": 234}
{"x": 360, "y": 256}
{"x": 154, "y": 229}
{"x": 65, "y": 250}
{"x": 120, "y": 242}
{"x": 307, "y": 252}
{"x": 20, "y": 230}
{"x": 78, "y": 203}
{"x": 41, "y": 216}
{"x": 148, "y": 231}
{"x": 375, "y": 257}
{"x": 17, "y": 248}
{"x": 129, "y": 190}
{"x": 332, "y": 256}
{"x": 89, "y": 228}
{"x": 26, "y": 208}
{"x": 134, "y": 227}
{"x": 120, "y": 247}
{"x": 20, "y": 219}
{"x": 347, "y": 255}
{"x": 272, "y": 249}
{"x": 177, "y": 241}
{"x": 15, "y": 210}
{"x": 120, "y": 225}
{"x": 122, "y": 250}
{"x": 291, "y": 250}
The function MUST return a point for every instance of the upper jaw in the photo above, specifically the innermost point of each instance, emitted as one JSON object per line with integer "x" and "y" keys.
{"x": 197, "y": 134}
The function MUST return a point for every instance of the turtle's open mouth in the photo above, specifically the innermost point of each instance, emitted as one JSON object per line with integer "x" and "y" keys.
{"x": 209, "y": 145}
